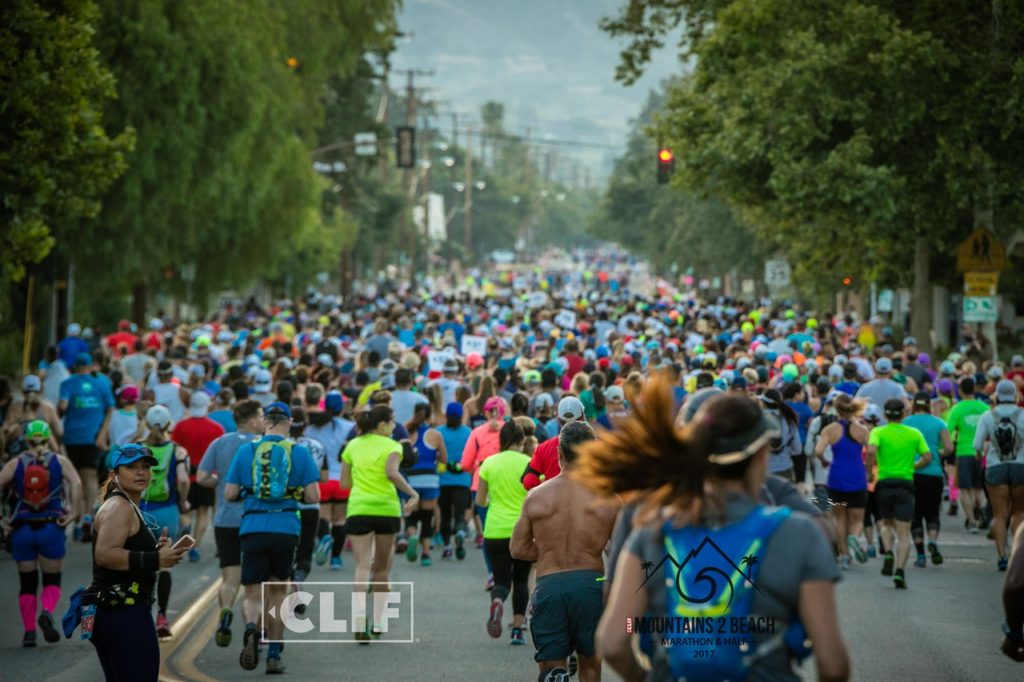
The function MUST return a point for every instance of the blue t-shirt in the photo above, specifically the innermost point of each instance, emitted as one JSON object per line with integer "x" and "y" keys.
{"x": 225, "y": 419}
{"x": 804, "y": 417}
{"x": 217, "y": 460}
{"x": 931, "y": 427}
{"x": 69, "y": 348}
{"x": 271, "y": 516}
{"x": 454, "y": 443}
{"x": 850, "y": 388}
{"x": 456, "y": 329}
{"x": 88, "y": 399}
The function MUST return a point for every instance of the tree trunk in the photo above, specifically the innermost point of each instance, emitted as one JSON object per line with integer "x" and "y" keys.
{"x": 921, "y": 297}
{"x": 139, "y": 304}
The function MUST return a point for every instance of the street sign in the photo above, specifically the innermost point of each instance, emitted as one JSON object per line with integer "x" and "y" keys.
{"x": 748, "y": 287}
{"x": 981, "y": 283}
{"x": 981, "y": 309}
{"x": 885, "y": 301}
{"x": 981, "y": 252}
{"x": 776, "y": 273}
{"x": 366, "y": 144}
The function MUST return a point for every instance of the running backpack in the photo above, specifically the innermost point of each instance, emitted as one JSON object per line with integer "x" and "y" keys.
{"x": 271, "y": 468}
{"x": 38, "y": 482}
{"x": 1005, "y": 437}
{"x": 711, "y": 579}
{"x": 162, "y": 484}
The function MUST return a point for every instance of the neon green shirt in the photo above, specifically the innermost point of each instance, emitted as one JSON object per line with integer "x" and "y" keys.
{"x": 505, "y": 490}
{"x": 373, "y": 493}
{"x": 962, "y": 422}
{"x": 898, "y": 445}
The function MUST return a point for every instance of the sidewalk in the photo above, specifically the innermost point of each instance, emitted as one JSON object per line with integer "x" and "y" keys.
{"x": 74, "y": 659}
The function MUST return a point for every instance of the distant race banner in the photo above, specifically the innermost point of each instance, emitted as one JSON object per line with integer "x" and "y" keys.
{"x": 474, "y": 344}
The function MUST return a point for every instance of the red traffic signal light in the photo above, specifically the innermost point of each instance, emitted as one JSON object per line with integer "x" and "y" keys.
{"x": 847, "y": 281}
{"x": 666, "y": 164}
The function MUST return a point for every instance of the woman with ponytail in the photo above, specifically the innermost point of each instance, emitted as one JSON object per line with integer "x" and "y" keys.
{"x": 786, "y": 446}
{"x": 728, "y": 555}
{"x": 126, "y": 556}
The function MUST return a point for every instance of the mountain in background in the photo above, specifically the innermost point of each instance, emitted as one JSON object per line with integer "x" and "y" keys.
{"x": 547, "y": 61}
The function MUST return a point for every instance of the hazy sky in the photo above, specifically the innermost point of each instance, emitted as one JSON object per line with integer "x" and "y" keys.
{"x": 546, "y": 60}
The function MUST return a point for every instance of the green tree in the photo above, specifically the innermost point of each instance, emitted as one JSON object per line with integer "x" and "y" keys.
{"x": 57, "y": 159}
{"x": 861, "y": 135}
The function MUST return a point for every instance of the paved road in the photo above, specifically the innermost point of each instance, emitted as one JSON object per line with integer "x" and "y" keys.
{"x": 945, "y": 627}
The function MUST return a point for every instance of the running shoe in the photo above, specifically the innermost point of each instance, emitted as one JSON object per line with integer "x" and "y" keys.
{"x": 28, "y": 640}
{"x": 479, "y": 541}
{"x": 920, "y": 562}
{"x": 991, "y": 534}
{"x": 50, "y": 633}
{"x": 517, "y": 637}
{"x": 887, "y": 564}
{"x": 336, "y": 563}
{"x": 899, "y": 580}
{"x": 872, "y": 552}
{"x": 425, "y": 560}
{"x": 438, "y": 540}
{"x": 494, "y": 620}
{"x": 299, "y": 575}
{"x": 574, "y": 664}
{"x": 323, "y": 550}
{"x": 933, "y": 549}
{"x": 1003, "y": 562}
{"x": 858, "y": 552}
{"x": 163, "y": 628}
{"x": 193, "y": 555}
{"x": 558, "y": 675}
{"x": 401, "y": 544}
{"x": 972, "y": 529}
{"x": 363, "y": 638}
{"x": 844, "y": 562}
{"x": 447, "y": 554}
{"x": 223, "y": 636}
{"x": 250, "y": 656}
{"x": 952, "y": 508}
{"x": 410, "y": 551}
{"x": 460, "y": 545}
{"x": 86, "y": 528}
{"x": 275, "y": 666}
{"x": 490, "y": 583}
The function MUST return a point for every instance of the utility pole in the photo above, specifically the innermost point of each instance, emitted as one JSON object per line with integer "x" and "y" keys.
{"x": 467, "y": 206}
{"x": 408, "y": 177}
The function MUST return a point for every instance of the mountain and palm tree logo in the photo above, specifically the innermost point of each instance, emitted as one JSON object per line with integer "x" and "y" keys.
{"x": 705, "y": 573}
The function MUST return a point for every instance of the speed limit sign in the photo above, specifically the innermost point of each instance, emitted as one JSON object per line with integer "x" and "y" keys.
{"x": 776, "y": 273}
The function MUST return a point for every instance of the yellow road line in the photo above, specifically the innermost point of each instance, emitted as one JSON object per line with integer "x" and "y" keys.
{"x": 192, "y": 643}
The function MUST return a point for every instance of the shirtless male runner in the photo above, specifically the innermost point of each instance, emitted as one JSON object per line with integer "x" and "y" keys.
{"x": 565, "y": 528}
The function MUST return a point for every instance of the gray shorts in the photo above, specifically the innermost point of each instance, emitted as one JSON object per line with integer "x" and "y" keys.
{"x": 566, "y": 609}
{"x": 1010, "y": 473}
{"x": 968, "y": 473}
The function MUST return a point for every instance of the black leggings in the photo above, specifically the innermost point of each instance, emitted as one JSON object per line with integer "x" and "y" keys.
{"x": 126, "y": 643}
{"x": 454, "y": 502}
{"x": 310, "y": 519}
{"x": 927, "y": 500}
{"x": 800, "y": 468}
{"x": 509, "y": 574}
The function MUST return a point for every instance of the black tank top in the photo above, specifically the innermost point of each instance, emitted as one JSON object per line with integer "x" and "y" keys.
{"x": 141, "y": 541}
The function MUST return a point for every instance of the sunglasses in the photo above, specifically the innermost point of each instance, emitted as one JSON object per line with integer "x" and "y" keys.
{"x": 131, "y": 450}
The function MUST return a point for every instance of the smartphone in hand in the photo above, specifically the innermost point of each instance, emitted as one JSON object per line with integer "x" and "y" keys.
{"x": 184, "y": 542}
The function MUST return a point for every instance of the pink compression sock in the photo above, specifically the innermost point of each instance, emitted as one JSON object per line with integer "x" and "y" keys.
{"x": 954, "y": 493}
{"x": 51, "y": 595}
{"x": 27, "y": 604}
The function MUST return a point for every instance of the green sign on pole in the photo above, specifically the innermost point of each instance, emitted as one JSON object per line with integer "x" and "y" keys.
{"x": 981, "y": 308}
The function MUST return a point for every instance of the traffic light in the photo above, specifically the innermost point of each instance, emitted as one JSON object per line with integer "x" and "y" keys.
{"x": 666, "y": 165}
{"x": 405, "y": 146}
{"x": 847, "y": 281}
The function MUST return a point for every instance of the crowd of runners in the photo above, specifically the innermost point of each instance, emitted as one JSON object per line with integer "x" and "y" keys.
{"x": 585, "y": 431}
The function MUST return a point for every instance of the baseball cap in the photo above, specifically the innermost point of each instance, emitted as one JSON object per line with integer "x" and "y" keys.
{"x": 893, "y": 407}
{"x": 614, "y": 394}
{"x": 277, "y": 408}
{"x": 83, "y": 360}
{"x": 199, "y": 404}
{"x": 1017, "y": 360}
{"x": 388, "y": 367}
{"x": 261, "y": 383}
{"x": 31, "y": 383}
{"x": 872, "y": 414}
{"x": 909, "y": 341}
{"x": 474, "y": 361}
{"x": 74, "y": 329}
{"x": 883, "y": 365}
{"x": 324, "y": 359}
{"x": 922, "y": 399}
{"x": 334, "y": 402}
{"x": 570, "y": 409}
{"x": 543, "y": 401}
{"x": 128, "y": 393}
{"x": 450, "y": 366}
{"x": 158, "y": 416}
{"x": 995, "y": 372}
{"x": 132, "y": 453}
{"x": 454, "y": 409}
{"x": 37, "y": 429}
{"x": 532, "y": 377}
{"x": 1006, "y": 392}
{"x": 947, "y": 367}
{"x": 495, "y": 403}
{"x": 740, "y": 446}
